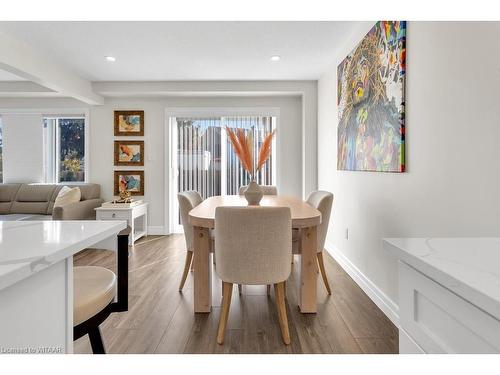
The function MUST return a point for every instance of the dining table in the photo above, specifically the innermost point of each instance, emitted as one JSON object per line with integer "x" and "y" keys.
{"x": 304, "y": 217}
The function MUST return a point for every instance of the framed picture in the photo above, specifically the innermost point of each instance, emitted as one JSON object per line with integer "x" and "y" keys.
{"x": 371, "y": 102}
{"x": 132, "y": 181}
{"x": 129, "y": 123}
{"x": 129, "y": 153}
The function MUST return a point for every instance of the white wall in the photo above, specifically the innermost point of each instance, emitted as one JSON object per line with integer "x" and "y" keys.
{"x": 307, "y": 90}
{"x": 101, "y": 164}
{"x": 22, "y": 147}
{"x": 451, "y": 187}
{"x": 101, "y": 139}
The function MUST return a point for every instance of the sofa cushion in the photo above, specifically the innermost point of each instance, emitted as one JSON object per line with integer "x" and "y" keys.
{"x": 8, "y": 192}
{"x": 29, "y": 208}
{"x": 50, "y": 207}
{"x": 7, "y": 195}
{"x": 32, "y": 199}
{"x": 38, "y": 198}
{"x": 67, "y": 196}
{"x": 5, "y": 208}
{"x": 35, "y": 193}
{"x": 88, "y": 191}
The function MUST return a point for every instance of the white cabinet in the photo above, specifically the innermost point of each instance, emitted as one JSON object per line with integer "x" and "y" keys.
{"x": 439, "y": 321}
{"x": 449, "y": 294}
{"x": 49, "y": 330}
{"x": 136, "y": 217}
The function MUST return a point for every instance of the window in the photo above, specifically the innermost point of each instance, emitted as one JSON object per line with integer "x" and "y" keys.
{"x": 1, "y": 150}
{"x": 64, "y": 148}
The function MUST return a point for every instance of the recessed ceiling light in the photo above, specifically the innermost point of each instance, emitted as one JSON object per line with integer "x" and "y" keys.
{"x": 275, "y": 58}
{"x": 110, "y": 58}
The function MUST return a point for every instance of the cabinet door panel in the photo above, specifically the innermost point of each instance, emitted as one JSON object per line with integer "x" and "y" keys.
{"x": 442, "y": 322}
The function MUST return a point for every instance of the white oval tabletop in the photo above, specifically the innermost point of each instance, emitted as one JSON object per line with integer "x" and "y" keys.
{"x": 303, "y": 215}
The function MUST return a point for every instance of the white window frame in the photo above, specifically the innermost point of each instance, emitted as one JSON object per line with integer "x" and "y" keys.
{"x": 60, "y": 112}
{"x": 67, "y": 115}
{"x": 170, "y": 155}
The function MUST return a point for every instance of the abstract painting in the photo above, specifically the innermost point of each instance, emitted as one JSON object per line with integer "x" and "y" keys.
{"x": 129, "y": 123}
{"x": 129, "y": 153}
{"x": 371, "y": 102}
{"x": 132, "y": 181}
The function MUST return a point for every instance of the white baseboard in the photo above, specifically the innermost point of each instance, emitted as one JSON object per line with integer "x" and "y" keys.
{"x": 384, "y": 303}
{"x": 157, "y": 230}
{"x": 407, "y": 345}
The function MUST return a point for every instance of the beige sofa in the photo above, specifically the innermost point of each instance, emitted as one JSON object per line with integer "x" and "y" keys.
{"x": 36, "y": 202}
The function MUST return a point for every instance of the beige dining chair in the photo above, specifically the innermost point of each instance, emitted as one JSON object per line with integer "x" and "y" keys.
{"x": 253, "y": 247}
{"x": 187, "y": 201}
{"x": 322, "y": 201}
{"x": 266, "y": 189}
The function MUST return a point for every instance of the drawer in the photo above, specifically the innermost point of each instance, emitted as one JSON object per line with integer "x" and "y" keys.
{"x": 112, "y": 215}
{"x": 440, "y": 321}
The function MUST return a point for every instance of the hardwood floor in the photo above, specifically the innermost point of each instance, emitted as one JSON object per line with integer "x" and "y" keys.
{"x": 161, "y": 319}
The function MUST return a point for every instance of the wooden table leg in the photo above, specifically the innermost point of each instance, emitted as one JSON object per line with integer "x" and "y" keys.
{"x": 308, "y": 274}
{"x": 202, "y": 271}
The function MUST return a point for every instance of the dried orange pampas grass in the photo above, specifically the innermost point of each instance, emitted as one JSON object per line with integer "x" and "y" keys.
{"x": 265, "y": 150}
{"x": 243, "y": 148}
{"x": 240, "y": 145}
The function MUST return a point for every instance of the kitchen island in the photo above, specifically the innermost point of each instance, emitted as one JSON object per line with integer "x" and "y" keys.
{"x": 36, "y": 280}
{"x": 449, "y": 294}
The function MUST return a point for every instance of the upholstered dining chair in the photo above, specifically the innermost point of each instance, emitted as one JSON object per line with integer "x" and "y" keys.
{"x": 94, "y": 292}
{"x": 266, "y": 189}
{"x": 322, "y": 201}
{"x": 187, "y": 201}
{"x": 253, "y": 247}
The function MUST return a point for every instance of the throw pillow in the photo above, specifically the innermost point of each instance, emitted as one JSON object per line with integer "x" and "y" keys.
{"x": 67, "y": 196}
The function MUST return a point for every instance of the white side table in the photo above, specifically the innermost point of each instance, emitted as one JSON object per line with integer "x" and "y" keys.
{"x": 136, "y": 216}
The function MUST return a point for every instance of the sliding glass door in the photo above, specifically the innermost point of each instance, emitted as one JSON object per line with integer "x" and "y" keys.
{"x": 198, "y": 145}
{"x": 203, "y": 158}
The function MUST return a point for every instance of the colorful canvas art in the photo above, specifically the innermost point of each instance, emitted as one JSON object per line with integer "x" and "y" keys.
{"x": 129, "y": 153}
{"x": 371, "y": 103}
{"x": 129, "y": 123}
{"x": 132, "y": 181}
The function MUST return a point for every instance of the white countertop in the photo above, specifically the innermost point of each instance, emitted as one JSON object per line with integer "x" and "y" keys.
{"x": 26, "y": 247}
{"x": 470, "y": 267}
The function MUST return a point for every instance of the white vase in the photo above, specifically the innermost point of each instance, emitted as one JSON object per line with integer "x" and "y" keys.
{"x": 253, "y": 193}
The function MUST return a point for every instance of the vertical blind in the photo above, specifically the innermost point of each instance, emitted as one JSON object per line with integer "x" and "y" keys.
{"x": 237, "y": 175}
{"x": 206, "y": 161}
{"x": 199, "y": 155}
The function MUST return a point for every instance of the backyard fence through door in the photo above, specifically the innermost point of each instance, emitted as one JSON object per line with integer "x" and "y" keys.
{"x": 204, "y": 160}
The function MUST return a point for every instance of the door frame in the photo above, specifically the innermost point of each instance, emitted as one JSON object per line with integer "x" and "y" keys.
{"x": 170, "y": 158}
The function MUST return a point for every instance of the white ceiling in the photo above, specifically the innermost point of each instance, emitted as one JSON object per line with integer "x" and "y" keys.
{"x": 161, "y": 51}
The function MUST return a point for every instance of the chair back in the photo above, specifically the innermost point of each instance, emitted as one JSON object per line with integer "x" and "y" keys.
{"x": 266, "y": 189}
{"x": 322, "y": 201}
{"x": 253, "y": 245}
{"x": 187, "y": 201}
